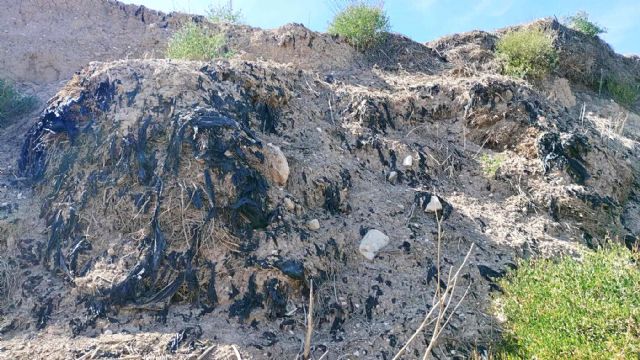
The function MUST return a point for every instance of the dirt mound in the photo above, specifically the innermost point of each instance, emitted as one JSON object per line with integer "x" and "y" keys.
{"x": 585, "y": 61}
{"x": 473, "y": 48}
{"x": 588, "y": 60}
{"x": 70, "y": 34}
{"x": 184, "y": 182}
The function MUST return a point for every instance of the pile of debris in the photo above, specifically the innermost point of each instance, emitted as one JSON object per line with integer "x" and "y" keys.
{"x": 216, "y": 193}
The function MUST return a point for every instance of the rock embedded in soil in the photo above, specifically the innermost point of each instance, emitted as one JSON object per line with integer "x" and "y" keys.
{"x": 393, "y": 176}
{"x": 434, "y": 205}
{"x": 289, "y": 204}
{"x": 408, "y": 161}
{"x": 313, "y": 224}
{"x": 277, "y": 164}
{"x": 372, "y": 243}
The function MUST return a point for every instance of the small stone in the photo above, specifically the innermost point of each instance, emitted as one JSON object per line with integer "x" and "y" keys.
{"x": 408, "y": 161}
{"x": 373, "y": 242}
{"x": 289, "y": 204}
{"x": 393, "y": 176}
{"x": 508, "y": 95}
{"x": 111, "y": 252}
{"x": 108, "y": 332}
{"x": 434, "y": 205}
{"x": 278, "y": 167}
{"x": 313, "y": 224}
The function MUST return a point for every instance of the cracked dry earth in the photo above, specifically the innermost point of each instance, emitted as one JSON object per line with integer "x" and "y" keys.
{"x": 171, "y": 209}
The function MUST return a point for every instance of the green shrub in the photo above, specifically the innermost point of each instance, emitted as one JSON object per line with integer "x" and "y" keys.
{"x": 573, "y": 309}
{"x": 526, "y": 53}
{"x": 491, "y": 164}
{"x": 623, "y": 92}
{"x": 194, "y": 42}
{"x": 224, "y": 13}
{"x": 580, "y": 22}
{"x": 361, "y": 24}
{"x": 12, "y": 103}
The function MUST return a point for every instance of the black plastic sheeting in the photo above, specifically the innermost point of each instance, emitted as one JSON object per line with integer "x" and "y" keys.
{"x": 185, "y": 337}
{"x": 567, "y": 154}
{"x": 158, "y": 275}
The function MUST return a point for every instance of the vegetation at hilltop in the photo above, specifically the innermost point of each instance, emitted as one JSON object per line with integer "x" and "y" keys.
{"x": 361, "y": 23}
{"x": 224, "y": 13}
{"x": 527, "y": 53}
{"x": 195, "y": 42}
{"x": 580, "y": 22}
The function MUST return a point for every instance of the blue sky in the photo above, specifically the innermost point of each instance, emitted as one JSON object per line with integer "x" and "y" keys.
{"x": 425, "y": 20}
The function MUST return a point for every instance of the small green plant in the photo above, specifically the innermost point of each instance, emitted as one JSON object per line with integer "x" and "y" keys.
{"x": 573, "y": 309}
{"x": 623, "y": 92}
{"x": 527, "y": 53}
{"x": 224, "y": 13}
{"x": 361, "y": 23}
{"x": 13, "y": 103}
{"x": 194, "y": 42}
{"x": 490, "y": 164}
{"x": 580, "y": 22}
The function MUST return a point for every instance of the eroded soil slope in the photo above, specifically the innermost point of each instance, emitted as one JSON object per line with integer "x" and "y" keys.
{"x": 178, "y": 198}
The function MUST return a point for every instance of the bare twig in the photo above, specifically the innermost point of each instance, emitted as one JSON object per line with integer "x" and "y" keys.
{"x": 442, "y": 301}
{"x": 333, "y": 121}
{"x": 323, "y": 355}
{"x": 307, "y": 341}
{"x": 236, "y": 352}
{"x": 206, "y": 352}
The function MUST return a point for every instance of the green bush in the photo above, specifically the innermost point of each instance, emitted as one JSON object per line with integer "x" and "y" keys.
{"x": 12, "y": 103}
{"x": 224, "y": 13}
{"x": 623, "y": 92}
{"x": 527, "y": 53}
{"x": 580, "y": 22}
{"x": 361, "y": 24}
{"x": 491, "y": 164}
{"x": 573, "y": 309}
{"x": 194, "y": 42}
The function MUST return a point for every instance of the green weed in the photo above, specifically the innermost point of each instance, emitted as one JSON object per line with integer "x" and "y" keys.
{"x": 224, "y": 13}
{"x": 527, "y": 53}
{"x": 490, "y": 164}
{"x": 13, "y": 103}
{"x": 194, "y": 42}
{"x": 363, "y": 25}
{"x": 580, "y": 22}
{"x": 573, "y": 309}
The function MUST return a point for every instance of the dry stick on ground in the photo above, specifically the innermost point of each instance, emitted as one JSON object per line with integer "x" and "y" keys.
{"x": 307, "y": 340}
{"x": 236, "y": 352}
{"x": 442, "y": 302}
{"x": 206, "y": 352}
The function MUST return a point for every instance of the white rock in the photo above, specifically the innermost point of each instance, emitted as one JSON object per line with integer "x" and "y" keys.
{"x": 278, "y": 167}
{"x": 373, "y": 242}
{"x": 408, "y": 161}
{"x": 313, "y": 224}
{"x": 289, "y": 204}
{"x": 393, "y": 176}
{"x": 434, "y": 205}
